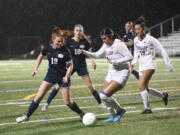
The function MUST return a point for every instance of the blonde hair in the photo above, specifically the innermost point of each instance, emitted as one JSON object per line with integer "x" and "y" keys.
{"x": 87, "y": 37}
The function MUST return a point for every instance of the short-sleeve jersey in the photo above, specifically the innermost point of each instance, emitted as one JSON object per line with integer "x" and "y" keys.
{"x": 126, "y": 38}
{"x": 58, "y": 59}
{"x": 79, "y": 60}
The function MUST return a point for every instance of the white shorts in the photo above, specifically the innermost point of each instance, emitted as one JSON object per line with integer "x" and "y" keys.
{"x": 141, "y": 71}
{"x": 119, "y": 76}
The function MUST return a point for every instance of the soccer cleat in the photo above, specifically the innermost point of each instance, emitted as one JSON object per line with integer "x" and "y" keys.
{"x": 22, "y": 118}
{"x": 119, "y": 115}
{"x": 102, "y": 105}
{"x": 109, "y": 120}
{"x": 45, "y": 107}
{"x": 165, "y": 98}
{"x": 146, "y": 111}
{"x": 82, "y": 115}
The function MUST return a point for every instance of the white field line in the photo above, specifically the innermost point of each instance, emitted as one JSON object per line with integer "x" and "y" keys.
{"x": 31, "y": 80}
{"x": 66, "y": 118}
{"x": 85, "y": 107}
{"x": 80, "y": 98}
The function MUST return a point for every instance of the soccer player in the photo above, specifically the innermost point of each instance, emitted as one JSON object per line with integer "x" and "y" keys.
{"x": 78, "y": 41}
{"x": 59, "y": 71}
{"x": 119, "y": 57}
{"x": 145, "y": 46}
{"x": 128, "y": 39}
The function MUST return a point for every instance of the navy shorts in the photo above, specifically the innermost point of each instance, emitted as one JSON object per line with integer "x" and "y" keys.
{"x": 81, "y": 71}
{"x": 52, "y": 78}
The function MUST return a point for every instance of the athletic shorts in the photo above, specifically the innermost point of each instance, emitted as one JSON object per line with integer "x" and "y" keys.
{"x": 119, "y": 76}
{"x": 52, "y": 78}
{"x": 81, "y": 71}
{"x": 141, "y": 71}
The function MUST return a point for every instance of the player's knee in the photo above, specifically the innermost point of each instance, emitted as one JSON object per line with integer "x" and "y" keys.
{"x": 103, "y": 96}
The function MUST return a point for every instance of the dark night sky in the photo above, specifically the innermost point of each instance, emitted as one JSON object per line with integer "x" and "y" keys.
{"x": 38, "y": 17}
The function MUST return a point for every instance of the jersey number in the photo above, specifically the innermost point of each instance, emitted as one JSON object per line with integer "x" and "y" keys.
{"x": 54, "y": 61}
{"x": 76, "y": 52}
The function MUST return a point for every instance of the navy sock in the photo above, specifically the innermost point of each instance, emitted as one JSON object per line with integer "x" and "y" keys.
{"x": 32, "y": 108}
{"x": 135, "y": 73}
{"x": 96, "y": 96}
{"x": 74, "y": 107}
{"x": 52, "y": 95}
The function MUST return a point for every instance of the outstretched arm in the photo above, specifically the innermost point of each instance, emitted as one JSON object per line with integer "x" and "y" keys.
{"x": 99, "y": 54}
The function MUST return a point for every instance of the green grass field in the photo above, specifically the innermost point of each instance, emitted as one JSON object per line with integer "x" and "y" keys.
{"x": 18, "y": 88}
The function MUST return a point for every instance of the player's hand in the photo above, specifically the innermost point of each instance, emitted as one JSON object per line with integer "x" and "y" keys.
{"x": 65, "y": 79}
{"x": 34, "y": 73}
{"x": 93, "y": 64}
{"x": 131, "y": 67}
{"x": 110, "y": 61}
{"x": 171, "y": 69}
{"x": 79, "y": 51}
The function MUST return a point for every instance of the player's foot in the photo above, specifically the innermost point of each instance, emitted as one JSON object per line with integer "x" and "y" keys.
{"x": 82, "y": 115}
{"x": 102, "y": 105}
{"x": 119, "y": 115}
{"x": 109, "y": 120}
{"x": 45, "y": 107}
{"x": 146, "y": 111}
{"x": 22, "y": 118}
{"x": 165, "y": 98}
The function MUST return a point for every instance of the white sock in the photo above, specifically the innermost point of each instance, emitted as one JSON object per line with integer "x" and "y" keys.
{"x": 111, "y": 104}
{"x": 145, "y": 98}
{"x": 155, "y": 92}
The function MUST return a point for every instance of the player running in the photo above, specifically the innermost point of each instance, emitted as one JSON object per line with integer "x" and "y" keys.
{"x": 59, "y": 71}
{"x": 145, "y": 46}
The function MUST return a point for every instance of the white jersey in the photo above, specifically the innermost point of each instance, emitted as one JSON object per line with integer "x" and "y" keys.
{"x": 117, "y": 52}
{"x": 145, "y": 50}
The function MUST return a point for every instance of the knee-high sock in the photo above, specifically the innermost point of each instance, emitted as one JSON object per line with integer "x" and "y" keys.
{"x": 96, "y": 96}
{"x": 155, "y": 92}
{"x": 74, "y": 107}
{"x": 111, "y": 103}
{"x": 32, "y": 108}
{"x": 145, "y": 98}
{"x": 135, "y": 73}
{"x": 52, "y": 95}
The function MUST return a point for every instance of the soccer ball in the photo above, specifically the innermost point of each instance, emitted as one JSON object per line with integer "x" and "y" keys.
{"x": 89, "y": 119}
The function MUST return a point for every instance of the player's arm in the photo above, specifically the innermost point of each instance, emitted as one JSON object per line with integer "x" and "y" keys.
{"x": 158, "y": 45}
{"x": 99, "y": 54}
{"x": 68, "y": 72}
{"x": 93, "y": 62}
{"x": 125, "y": 53}
{"x": 129, "y": 43}
{"x": 38, "y": 62}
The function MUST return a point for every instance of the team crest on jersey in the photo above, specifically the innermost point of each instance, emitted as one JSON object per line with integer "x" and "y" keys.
{"x": 82, "y": 46}
{"x": 71, "y": 46}
{"x": 60, "y": 55}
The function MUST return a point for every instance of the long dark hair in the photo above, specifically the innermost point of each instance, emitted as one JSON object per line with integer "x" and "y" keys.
{"x": 142, "y": 22}
{"x": 108, "y": 32}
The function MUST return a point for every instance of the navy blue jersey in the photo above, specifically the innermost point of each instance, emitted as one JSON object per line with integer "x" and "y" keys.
{"x": 58, "y": 59}
{"x": 79, "y": 60}
{"x": 129, "y": 36}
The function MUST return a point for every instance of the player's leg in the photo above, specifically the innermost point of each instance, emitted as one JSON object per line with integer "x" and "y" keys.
{"x": 45, "y": 86}
{"x": 114, "y": 108}
{"x": 94, "y": 92}
{"x": 157, "y": 93}
{"x": 143, "y": 87}
{"x": 135, "y": 73}
{"x": 69, "y": 102}
{"x": 50, "y": 98}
